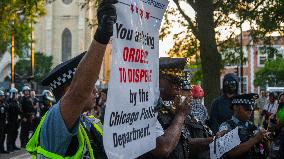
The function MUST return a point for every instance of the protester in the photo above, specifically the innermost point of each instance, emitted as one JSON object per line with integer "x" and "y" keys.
{"x": 220, "y": 108}
{"x": 3, "y": 121}
{"x": 281, "y": 98}
{"x": 269, "y": 109}
{"x": 280, "y": 117}
{"x": 63, "y": 131}
{"x": 260, "y": 103}
{"x": 14, "y": 111}
{"x": 251, "y": 146}
{"x": 276, "y": 127}
{"x": 198, "y": 110}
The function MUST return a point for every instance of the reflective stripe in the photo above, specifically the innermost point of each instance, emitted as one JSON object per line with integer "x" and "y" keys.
{"x": 97, "y": 126}
{"x": 37, "y": 151}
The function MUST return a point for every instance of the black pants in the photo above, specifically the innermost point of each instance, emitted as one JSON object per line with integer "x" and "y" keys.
{"x": 2, "y": 136}
{"x": 26, "y": 126}
{"x": 12, "y": 135}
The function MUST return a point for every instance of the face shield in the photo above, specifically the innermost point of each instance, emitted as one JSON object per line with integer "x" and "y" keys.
{"x": 49, "y": 96}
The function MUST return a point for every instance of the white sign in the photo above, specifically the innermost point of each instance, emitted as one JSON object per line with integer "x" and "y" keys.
{"x": 224, "y": 144}
{"x": 129, "y": 121}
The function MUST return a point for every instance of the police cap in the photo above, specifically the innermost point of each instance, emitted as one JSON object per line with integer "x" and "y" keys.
{"x": 173, "y": 69}
{"x": 245, "y": 100}
{"x": 63, "y": 73}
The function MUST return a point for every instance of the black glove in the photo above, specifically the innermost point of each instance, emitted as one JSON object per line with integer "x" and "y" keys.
{"x": 106, "y": 18}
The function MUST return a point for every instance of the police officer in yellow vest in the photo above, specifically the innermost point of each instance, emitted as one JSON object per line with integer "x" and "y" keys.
{"x": 63, "y": 131}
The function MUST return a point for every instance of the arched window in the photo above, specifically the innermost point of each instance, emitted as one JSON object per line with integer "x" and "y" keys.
{"x": 67, "y": 1}
{"x": 66, "y": 44}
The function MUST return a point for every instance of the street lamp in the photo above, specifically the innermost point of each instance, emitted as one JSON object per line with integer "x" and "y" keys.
{"x": 22, "y": 17}
{"x": 32, "y": 55}
{"x": 241, "y": 43}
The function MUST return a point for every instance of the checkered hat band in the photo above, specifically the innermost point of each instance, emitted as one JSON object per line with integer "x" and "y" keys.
{"x": 242, "y": 101}
{"x": 62, "y": 79}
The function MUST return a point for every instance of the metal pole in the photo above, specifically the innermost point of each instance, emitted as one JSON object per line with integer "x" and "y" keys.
{"x": 12, "y": 60}
{"x": 242, "y": 61}
{"x": 32, "y": 52}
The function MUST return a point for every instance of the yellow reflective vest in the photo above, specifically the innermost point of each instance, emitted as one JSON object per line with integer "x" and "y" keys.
{"x": 38, "y": 152}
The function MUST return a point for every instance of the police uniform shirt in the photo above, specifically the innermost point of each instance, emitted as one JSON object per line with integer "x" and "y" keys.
{"x": 54, "y": 135}
{"x": 13, "y": 110}
{"x": 27, "y": 106}
{"x": 2, "y": 113}
{"x": 226, "y": 125}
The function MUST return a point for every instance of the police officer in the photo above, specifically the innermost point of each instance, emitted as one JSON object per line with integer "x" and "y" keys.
{"x": 13, "y": 119}
{"x": 220, "y": 108}
{"x": 173, "y": 107}
{"x": 47, "y": 101}
{"x": 3, "y": 121}
{"x": 64, "y": 131}
{"x": 251, "y": 139}
{"x": 27, "y": 115}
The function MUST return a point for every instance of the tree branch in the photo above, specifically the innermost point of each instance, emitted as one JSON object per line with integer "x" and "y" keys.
{"x": 223, "y": 42}
{"x": 188, "y": 19}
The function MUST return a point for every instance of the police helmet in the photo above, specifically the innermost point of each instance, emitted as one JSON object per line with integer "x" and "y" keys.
{"x": 48, "y": 95}
{"x": 13, "y": 90}
{"x": 26, "y": 88}
{"x": 2, "y": 93}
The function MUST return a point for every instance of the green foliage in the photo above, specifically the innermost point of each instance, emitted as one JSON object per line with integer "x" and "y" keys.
{"x": 16, "y": 17}
{"x": 43, "y": 66}
{"x": 272, "y": 72}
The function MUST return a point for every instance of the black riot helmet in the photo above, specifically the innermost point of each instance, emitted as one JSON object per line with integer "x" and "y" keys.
{"x": 230, "y": 84}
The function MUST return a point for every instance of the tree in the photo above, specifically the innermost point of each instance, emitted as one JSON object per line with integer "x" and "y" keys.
{"x": 272, "y": 73}
{"x": 202, "y": 32}
{"x": 43, "y": 66}
{"x": 16, "y": 18}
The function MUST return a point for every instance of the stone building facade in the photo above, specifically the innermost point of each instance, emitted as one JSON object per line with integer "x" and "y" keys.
{"x": 65, "y": 32}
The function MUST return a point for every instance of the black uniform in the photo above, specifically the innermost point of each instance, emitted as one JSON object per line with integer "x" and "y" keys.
{"x": 192, "y": 129}
{"x": 246, "y": 129}
{"x": 45, "y": 104}
{"x": 28, "y": 114}
{"x": 3, "y": 119}
{"x": 13, "y": 123}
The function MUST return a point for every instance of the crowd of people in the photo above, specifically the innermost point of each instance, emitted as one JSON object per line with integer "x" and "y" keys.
{"x": 20, "y": 113}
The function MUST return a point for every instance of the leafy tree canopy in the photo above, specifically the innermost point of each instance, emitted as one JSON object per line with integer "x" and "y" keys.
{"x": 272, "y": 73}
{"x": 16, "y": 17}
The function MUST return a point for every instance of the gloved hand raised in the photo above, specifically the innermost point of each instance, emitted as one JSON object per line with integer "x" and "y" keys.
{"x": 106, "y": 15}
